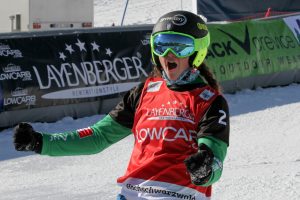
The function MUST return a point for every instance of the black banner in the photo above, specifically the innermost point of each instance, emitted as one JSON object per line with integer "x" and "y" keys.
{"x": 69, "y": 69}
{"x": 219, "y": 10}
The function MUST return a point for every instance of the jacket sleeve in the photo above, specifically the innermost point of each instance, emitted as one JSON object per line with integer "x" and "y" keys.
{"x": 84, "y": 141}
{"x": 114, "y": 127}
{"x": 214, "y": 132}
{"x": 124, "y": 112}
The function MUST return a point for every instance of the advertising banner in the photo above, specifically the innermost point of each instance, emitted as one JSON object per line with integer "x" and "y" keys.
{"x": 229, "y": 10}
{"x": 70, "y": 69}
{"x": 78, "y": 74}
{"x": 252, "y": 48}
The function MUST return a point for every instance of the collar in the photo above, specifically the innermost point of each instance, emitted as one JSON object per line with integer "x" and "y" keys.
{"x": 190, "y": 75}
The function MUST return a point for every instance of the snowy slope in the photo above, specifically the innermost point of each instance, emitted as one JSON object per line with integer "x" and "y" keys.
{"x": 108, "y": 12}
{"x": 263, "y": 161}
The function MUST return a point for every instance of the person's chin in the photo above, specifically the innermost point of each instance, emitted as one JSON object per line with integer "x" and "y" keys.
{"x": 172, "y": 76}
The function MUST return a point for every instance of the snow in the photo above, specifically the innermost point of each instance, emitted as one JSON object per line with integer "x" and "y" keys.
{"x": 263, "y": 160}
{"x": 108, "y": 12}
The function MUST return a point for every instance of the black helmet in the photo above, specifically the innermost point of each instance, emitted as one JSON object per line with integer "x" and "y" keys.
{"x": 187, "y": 23}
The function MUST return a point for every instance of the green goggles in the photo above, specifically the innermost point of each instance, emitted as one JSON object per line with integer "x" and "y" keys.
{"x": 181, "y": 45}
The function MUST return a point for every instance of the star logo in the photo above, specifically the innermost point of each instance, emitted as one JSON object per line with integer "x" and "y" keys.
{"x": 95, "y": 46}
{"x": 62, "y": 56}
{"x": 108, "y": 52}
{"x": 80, "y": 45}
{"x": 92, "y": 46}
{"x": 69, "y": 49}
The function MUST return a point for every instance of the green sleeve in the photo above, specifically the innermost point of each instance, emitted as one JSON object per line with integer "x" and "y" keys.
{"x": 104, "y": 133}
{"x": 219, "y": 149}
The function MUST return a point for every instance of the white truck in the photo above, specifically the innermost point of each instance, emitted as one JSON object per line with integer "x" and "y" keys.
{"x": 34, "y": 15}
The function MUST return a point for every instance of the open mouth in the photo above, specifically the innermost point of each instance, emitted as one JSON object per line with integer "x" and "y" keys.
{"x": 171, "y": 65}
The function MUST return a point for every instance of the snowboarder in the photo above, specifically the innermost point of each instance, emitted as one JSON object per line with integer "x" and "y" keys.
{"x": 179, "y": 118}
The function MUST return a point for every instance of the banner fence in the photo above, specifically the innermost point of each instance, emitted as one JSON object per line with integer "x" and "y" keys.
{"x": 55, "y": 70}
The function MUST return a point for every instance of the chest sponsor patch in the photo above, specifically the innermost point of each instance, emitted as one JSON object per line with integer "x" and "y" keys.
{"x": 154, "y": 86}
{"x": 206, "y": 94}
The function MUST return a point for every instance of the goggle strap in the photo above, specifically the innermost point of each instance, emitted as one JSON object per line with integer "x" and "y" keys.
{"x": 202, "y": 43}
{"x": 199, "y": 57}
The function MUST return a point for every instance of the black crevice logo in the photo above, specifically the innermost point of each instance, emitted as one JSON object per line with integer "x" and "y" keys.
{"x": 243, "y": 44}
